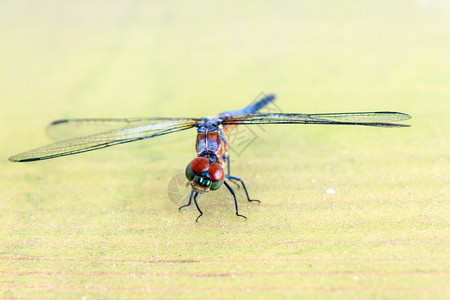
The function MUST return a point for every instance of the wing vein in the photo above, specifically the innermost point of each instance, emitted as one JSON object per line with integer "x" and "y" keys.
{"x": 104, "y": 139}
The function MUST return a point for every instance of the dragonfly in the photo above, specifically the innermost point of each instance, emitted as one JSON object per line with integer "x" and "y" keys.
{"x": 206, "y": 172}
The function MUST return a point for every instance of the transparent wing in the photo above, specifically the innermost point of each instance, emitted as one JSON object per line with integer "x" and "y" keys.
{"x": 104, "y": 139}
{"x": 378, "y": 119}
{"x": 72, "y": 128}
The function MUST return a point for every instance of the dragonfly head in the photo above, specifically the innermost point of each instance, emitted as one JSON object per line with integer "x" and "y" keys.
{"x": 203, "y": 175}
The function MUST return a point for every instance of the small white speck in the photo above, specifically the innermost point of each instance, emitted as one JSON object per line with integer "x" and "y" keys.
{"x": 331, "y": 191}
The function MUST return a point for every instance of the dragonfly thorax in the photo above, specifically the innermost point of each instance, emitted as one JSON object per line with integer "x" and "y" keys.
{"x": 208, "y": 123}
{"x": 210, "y": 156}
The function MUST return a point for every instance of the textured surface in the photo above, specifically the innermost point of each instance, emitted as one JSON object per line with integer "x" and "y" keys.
{"x": 346, "y": 212}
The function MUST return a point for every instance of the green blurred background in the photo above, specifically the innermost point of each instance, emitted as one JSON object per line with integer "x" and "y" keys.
{"x": 100, "y": 224}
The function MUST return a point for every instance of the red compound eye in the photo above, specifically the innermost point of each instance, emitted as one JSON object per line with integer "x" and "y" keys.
{"x": 216, "y": 172}
{"x": 200, "y": 165}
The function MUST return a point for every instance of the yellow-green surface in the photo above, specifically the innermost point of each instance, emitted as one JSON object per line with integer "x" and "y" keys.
{"x": 100, "y": 225}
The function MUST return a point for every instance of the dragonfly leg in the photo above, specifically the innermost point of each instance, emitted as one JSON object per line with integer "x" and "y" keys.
{"x": 243, "y": 185}
{"x": 229, "y": 172}
{"x": 189, "y": 203}
{"x": 235, "y": 201}
{"x": 198, "y": 208}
